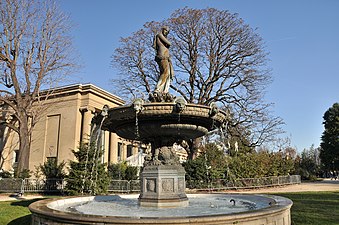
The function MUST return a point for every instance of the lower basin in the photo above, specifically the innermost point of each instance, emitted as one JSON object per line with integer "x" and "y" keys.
{"x": 241, "y": 209}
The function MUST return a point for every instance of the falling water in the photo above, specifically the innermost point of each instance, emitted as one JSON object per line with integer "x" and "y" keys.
{"x": 137, "y": 126}
{"x": 95, "y": 136}
{"x": 225, "y": 150}
{"x": 179, "y": 119}
{"x": 222, "y": 140}
{"x": 95, "y": 156}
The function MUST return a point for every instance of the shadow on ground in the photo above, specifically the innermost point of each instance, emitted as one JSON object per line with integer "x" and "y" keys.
{"x": 24, "y": 220}
{"x": 25, "y": 203}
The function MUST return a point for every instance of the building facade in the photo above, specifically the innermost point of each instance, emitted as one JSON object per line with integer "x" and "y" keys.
{"x": 65, "y": 121}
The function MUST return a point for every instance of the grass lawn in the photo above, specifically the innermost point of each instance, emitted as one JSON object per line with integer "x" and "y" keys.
{"x": 15, "y": 212}
{"x": 309, "y": 208}
{"x": 314, "y": 208}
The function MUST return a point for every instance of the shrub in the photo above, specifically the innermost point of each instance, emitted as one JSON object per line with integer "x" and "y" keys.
{"x": 5, "y": 174}
{"x": 52, "y": 170}
{"x": 122, "y": 171}
{"x": 87, "y": 174}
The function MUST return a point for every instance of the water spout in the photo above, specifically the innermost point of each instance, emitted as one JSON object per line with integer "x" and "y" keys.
{"x": 138, "y": 107}
{"x": 180, "y": 104}
{"x": 213, "y": 109}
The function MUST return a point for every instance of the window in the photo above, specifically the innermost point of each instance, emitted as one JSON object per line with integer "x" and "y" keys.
{"x": 129, "y": 150}
{"x": 15, "y": 158}
{"x": 119, "y": 150}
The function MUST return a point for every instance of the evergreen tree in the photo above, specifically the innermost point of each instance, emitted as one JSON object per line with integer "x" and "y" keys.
{"x": 87, "y": 174}
{"x": 52, "y": 170}
{"x": 329, "y": 153}
{"x": 307, "y": 165}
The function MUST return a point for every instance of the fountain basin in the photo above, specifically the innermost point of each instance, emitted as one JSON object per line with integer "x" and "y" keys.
{"x": 162, "y": 119}
{"x": 203, "y": 209}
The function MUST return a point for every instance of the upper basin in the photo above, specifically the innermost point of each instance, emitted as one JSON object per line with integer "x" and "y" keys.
{"x": 163, "y": 120}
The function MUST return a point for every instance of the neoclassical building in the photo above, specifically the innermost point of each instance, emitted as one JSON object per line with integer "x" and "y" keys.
{"x": 65, "y": 121}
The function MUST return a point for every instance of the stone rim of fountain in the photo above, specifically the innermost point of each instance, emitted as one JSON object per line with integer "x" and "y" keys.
{"x": 278, "y": 211}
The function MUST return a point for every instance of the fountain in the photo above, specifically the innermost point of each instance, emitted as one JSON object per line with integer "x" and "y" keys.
{"x": 161, "y": 122}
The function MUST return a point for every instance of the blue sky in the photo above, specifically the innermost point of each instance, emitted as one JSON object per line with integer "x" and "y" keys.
{"x": 301, "y": 36}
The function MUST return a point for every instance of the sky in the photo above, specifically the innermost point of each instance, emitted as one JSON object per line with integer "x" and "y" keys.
{"x": 302, "y": 38}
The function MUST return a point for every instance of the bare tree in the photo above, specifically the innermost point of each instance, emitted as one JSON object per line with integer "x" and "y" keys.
{"x": 217, "y": 57}
{"x": 35, "y": 52}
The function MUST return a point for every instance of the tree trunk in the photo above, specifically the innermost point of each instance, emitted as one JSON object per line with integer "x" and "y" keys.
{"x": 25, "y": 144}
{"x": 193, "y": 148}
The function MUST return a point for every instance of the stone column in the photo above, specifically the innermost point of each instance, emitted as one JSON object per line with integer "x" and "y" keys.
{"x": 86, "y": 129}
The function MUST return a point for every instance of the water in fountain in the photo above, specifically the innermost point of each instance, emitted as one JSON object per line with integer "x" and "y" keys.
{"x": 200, "y": 205}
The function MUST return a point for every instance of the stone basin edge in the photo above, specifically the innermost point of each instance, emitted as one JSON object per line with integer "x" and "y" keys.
{"x": 41, "y": 208}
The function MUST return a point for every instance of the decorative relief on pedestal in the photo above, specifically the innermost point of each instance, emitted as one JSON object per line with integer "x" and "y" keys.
{"x": 150, "y": 185}
{"x": 168, "y": 185}
{"x": 181, "y": 184}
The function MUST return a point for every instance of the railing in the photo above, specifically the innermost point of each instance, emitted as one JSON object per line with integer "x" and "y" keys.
{"x": 38, "y": 185}
{"x": 10, "y": 184}
{"x": 223, "y": 184}
{"x": 31, "y": 185}
{"x": 124, "y": 186}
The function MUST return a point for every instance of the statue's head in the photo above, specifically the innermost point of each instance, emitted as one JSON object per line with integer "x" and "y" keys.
{"x": 165, "y": 30}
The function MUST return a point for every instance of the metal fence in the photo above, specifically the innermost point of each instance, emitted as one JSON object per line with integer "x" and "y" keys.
{"x": 124, "y": 186}
{"x": 10, "y": 184}
{"x": 47, "y": 185}
{"x": 223, "y": 184}
{"x": 31, "y": 185}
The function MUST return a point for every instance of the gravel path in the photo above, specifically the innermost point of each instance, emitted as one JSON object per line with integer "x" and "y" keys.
{"x": 12, "y": 197}
{"x": 325, "y": 185}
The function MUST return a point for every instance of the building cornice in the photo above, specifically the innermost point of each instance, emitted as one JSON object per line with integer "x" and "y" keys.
{"x": 82, "y": 89}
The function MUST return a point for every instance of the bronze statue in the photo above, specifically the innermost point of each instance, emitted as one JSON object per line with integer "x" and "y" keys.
{"x": 161, "y": 45}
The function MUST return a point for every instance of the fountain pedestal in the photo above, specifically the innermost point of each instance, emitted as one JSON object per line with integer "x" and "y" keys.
{"x": 163, "y": 186}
